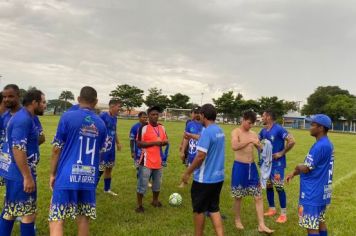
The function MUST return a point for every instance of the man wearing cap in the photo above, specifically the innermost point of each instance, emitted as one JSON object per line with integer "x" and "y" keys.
{"x": 151, "y": 137}
{"x": 316, "y": 178}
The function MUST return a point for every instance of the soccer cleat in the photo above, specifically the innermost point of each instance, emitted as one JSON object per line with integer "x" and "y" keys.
{"x": 282, "y": 219}
{"x": 270, "y": 212}
{"x": 110, "y": 192}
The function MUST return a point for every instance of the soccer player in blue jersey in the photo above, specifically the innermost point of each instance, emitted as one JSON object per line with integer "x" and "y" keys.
{"x": 208, "y": 168}
{"x": 183, "y": 150}
{"x": 2, "y": 105}
{"x": 80, "y": 137}
{"x": 38, "y": 125}
{"x": 18, "y": 161}
{"x": 316, "y": 175}
{"x": 278, "y": 136}
{"x": 135, "y": 150}
{"x": 108, "y": 157}
{"x": 191, "y": 136}
{"x": 11, "y": 101}
{"x": 2, "y": 129}
{"x": 74, "y": 107}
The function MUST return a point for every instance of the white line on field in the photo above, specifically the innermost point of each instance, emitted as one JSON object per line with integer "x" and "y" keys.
{"x": 343, "y": 178}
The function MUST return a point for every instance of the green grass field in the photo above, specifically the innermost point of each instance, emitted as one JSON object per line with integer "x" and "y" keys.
{"x": 116, "y": 216}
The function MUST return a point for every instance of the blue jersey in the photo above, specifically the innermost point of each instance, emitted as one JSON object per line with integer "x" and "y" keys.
{"x": 133, "y": 136}
{"x": 81, "y": 135}
{"x": 315, "y": 186}
{"x": 21, "y": 133}
{"x": 38, "y": 125}
{"x": 110, "y": 123}
{"x": 211, "y": 142}
{"x": 2, "y": 132}
{"x": 74, "y": 107}
{"x": 193, "y": 127}
{"x": 5, "y": 117}
{"x": 276, "y": 135}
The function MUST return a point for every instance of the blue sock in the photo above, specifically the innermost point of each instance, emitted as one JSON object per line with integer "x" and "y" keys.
{"x": 107, "y": 184}
{"x": 6, "y": 226}
{"x": 282, "y": 198}
{"x": 313, "y": 234}
{"x": 270, "y": 197}
{"x": 27, "y": 229}
{"x": 323, "y": 233}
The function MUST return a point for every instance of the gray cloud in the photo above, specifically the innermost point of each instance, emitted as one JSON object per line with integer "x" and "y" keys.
{"x": 258, "y": 48}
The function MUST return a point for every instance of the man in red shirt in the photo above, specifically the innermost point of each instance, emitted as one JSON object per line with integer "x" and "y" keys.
{"x": 151, "y": 138}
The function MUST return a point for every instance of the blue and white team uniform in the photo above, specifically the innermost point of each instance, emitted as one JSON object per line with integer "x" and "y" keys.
{"x": 5, "y": 117}
{"x": 108, "y": 157}
{"x": 315, "y": 186}
{"x": 38, "y": 125}
{"x": 193, "y": 127}
{"x": 133, "y": 136}
{"x": 74, "y": 107}
{"x": 81, "y": 136}
{"x": 276, "y": 135}
{"x": 21, "y": 134}
{"x": 209, "y": 177}
{"x": 211, "y": 142}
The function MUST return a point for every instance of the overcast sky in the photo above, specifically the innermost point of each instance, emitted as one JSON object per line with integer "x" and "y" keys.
{"x": 258, "y": 48}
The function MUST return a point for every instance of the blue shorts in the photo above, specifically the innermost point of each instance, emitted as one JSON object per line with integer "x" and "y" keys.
{"x": 311, "y": 216}
{"x": 17, "y": 202}
{"x": 144, "y": 175}
{"x": 107, "y": 161}
{"x": 245, "y": 180}
{"x": 277, "y": 177}
{"x": 71, "y": 203}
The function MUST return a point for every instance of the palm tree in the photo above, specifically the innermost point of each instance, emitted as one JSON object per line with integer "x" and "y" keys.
{"x": 66, "y": 95}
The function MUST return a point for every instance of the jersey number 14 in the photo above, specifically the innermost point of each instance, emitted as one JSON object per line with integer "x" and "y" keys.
{"x": 89, "y": 151}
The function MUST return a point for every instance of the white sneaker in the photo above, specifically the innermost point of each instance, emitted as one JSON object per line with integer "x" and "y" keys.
{"x": 110, "y": 192}
{"x": 149, "y": 185}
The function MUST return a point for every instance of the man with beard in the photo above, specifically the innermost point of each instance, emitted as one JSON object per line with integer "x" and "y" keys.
{"x": 18, "y": 161}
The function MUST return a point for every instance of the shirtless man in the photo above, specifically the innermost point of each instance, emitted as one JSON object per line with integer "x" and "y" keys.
{"x": 245, "y": 180}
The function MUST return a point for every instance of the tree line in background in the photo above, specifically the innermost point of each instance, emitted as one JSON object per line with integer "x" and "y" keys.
{"x": 331, "y": 100}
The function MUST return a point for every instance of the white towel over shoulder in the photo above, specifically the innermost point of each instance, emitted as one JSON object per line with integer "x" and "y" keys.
{"x": 266, "y": 166}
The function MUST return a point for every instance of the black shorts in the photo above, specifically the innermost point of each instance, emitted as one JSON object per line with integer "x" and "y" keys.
{"x": 206, "y": 197}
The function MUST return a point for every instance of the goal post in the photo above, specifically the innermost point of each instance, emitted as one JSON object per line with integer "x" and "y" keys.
{"x": 176, "y": 114}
